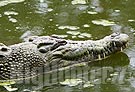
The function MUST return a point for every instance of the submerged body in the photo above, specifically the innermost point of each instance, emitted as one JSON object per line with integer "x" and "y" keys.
{"x": 22, "y": 60}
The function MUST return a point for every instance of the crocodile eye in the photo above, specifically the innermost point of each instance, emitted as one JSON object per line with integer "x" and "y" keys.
{"x": 4, "y": 49}
{"x": 42, "y": 50}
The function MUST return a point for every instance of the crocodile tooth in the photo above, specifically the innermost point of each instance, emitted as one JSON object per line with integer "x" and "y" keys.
{"x": 121, "y": 49}
{"x": 114, "y": 43}
{"x": 99, "y": 57}
{"x": 126, "y": 45}
{"x": 108, "y": 51}
{"x": 92, "y": 54}
{"x": 104, "y": 55}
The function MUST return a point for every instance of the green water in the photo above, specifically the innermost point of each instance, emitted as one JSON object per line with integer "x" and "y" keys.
{"x": 71, "y": 19}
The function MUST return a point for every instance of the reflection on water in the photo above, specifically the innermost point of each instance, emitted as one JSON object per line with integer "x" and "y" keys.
{"x": 73, "y": 19}
{"x": 31, "y": 32}
{"x": 42, "y": 7}
{"x": 6, "y": 2}
{"x": 96, "y": 6}
{"x": 97, "y": 74}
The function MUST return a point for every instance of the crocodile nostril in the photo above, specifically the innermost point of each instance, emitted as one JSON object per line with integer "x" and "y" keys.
{"x": 115, "y": 34}
{"x": 30, "y": 40}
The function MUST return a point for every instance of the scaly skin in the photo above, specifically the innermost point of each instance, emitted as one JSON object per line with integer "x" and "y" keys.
{"x": 72, "y": 52}
{"x": 21, "y": 60}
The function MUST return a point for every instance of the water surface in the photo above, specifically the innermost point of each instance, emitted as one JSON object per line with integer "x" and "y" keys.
{"x": 76, "y": 20}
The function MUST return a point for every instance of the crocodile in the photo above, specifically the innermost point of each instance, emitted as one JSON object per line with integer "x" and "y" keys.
{"x": 20, "y": 61}
{"x": 68, "y": 52}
